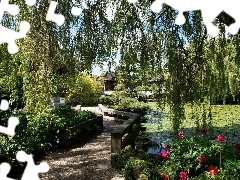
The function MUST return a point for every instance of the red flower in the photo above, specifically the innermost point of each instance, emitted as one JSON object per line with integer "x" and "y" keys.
{"x": 167, "y": 146}
{"x": 212, "y": 170}
{"x": 180, "y": 134}
{"x": 183, "y": 175}
{"x": 220, "y": 137}
{"x": 164, "y": 177}
{"x": 201, "y": 159}
{"x": 165, "y": 155}
{"x": 159, "y": 154}
{"x": 237, "y": 147}
{"x": 203, "y": 130}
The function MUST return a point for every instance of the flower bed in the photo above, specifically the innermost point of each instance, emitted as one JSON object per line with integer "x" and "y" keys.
{"x": 198, "y": 157}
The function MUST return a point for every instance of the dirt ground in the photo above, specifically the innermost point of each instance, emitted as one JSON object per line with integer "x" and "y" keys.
{"x": 89, "y": 161}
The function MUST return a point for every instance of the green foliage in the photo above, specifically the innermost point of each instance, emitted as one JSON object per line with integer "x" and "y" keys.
{"x": 125, "y": 101}
{"x": 37, "y": 134}
{"x": 132, "y": 164}
{"x": 199, "y": 67}
{"x": 106, "y": 100}
{"x": 119, "y": 87}
{"x": 132, "y": 105}
{"x": 86, "y": 88}
{"x": 184, "y": 156}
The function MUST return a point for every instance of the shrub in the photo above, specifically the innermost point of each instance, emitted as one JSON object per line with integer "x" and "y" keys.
{"x": 38, "y": 134}
{"x": 196, "y": 157}
{"x": 132, "y": 105}
{"x": 86, "y": 88}
{"x": 106, "y": 100}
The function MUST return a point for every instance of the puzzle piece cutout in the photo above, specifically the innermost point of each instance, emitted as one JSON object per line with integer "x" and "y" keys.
{"x": 12, "y": 121}
{"x": 4, "y": 170}
{"x": 210, "y": 10}
{"x": 10, "y": 130}
{"x": 76, "y": 11}
{"x": 7, "y": 35}
{"x": 4, "y": 105}
{"x": 10, "y": 8}
{"x": 30, "y": 2}
{"x": 132, "y": 1}
{"x": 31, "y": 171}
{"x": 51, "y": 16}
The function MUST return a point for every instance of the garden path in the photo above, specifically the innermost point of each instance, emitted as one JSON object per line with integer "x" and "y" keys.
{"x": 84, "y": 161}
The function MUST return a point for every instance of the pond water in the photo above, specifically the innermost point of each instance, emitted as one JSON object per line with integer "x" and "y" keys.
{"x": 153, "y": 142}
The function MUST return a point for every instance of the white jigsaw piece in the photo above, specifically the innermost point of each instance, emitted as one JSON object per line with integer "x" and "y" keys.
{"x": 4, "y": 170}
{"x": 51, "y": 16}
{"x": 210, "y": 10}
{"x": 6, "y": 7}
{"x": 132, "y": 1}
{"x": 4, "y": 105}
{"x": 10, "y": 130}
{"x": 76, "y": 11}
{"x": 7, "y": 35}
{"x": 31, "y": 171}
{"x": 12, "y": 121}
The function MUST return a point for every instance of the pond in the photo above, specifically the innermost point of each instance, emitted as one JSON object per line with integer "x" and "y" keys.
{"x": 155, "y": 139}
{"x": 153, "y": 142}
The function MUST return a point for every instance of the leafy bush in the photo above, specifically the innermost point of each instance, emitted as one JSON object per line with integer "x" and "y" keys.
{"x": 86, "y": 88}
{"x": 124, "y": 101}
{"x": 132, "y": 105}
{"x": 196, "y": 157}
{"x": 134, "y": 164}
{"x": 106, "y": 100}
{"x": 37, "y": 134}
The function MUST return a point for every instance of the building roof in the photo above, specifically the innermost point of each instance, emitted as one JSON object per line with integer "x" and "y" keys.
{"x": 109, "y": 77}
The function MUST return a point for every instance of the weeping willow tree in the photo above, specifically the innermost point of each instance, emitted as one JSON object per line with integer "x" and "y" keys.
{"x": 50, "y": 59}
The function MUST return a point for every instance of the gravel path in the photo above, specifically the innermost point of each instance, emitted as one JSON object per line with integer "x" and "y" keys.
{"x": 90, "y": 161}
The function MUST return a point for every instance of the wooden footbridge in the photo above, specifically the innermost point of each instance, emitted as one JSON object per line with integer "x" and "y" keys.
{"x": 92, "y": 159}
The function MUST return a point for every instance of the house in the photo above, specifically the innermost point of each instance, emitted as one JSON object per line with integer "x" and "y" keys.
{"x": 109, "y": 81}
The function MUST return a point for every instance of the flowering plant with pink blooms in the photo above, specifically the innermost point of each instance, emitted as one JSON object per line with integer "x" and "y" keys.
{"x": 189, "y": 157}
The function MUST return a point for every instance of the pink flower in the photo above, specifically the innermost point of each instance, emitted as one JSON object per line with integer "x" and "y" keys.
{"x": 221, "y": 137}
{"x": 180, "y": 134}
{"x": 165, "y": 155}
{"x": 164, "y": 177}
{"x": 201, "y": 159}
{"x": 203, "y": 130}
{"x": 183, "y": 175}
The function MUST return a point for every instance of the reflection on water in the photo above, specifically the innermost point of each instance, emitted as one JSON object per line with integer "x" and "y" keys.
{"x": 155, "y": 141}
{"x": 152, "y": 142}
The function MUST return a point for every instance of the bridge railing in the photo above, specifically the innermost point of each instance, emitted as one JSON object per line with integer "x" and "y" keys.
{"x": 126, "y": 133}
